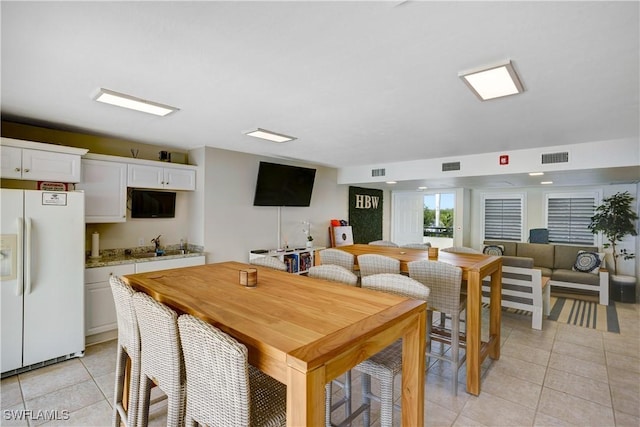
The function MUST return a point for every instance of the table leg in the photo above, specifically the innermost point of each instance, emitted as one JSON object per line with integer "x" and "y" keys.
{"x": 413, "y": 372}
{"x": 474, "y": 330}
{"x": 305, "y": 397}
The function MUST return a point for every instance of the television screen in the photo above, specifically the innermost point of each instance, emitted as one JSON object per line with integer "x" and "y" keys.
{"x": 283, "y": 185}
{"x": 153, "y": 204}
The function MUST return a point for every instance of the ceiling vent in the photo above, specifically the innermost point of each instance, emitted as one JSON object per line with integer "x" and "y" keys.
{"x": 451, "y": 166}
{"x": 555, "y": 157}
{"x": 378, "y": 172}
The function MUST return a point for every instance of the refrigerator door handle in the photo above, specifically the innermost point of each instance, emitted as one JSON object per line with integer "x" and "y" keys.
{"x": 27, "y": 260}
{"x": 20, "y": 256}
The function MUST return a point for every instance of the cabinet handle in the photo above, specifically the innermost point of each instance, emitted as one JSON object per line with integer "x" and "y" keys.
{"x": 26, "y": 170}
{"x": 17, "y": 169}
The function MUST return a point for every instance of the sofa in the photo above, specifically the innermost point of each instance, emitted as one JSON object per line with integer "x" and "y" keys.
{"x": 561, "y": 263}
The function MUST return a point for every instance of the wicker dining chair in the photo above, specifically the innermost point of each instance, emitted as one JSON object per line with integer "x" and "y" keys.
{"x": 423, "y": 246}
{"x": 376, "y": 264}
{"x": 337, "y": 257}
{"x": 336, "y": 273}
{"x": 444, "y": 280}
{"x": 128, "y": 347}
{"x": 333, "y": 273}
{"x": 383, "y": 243}
{"x": 461, "y": 250}
{"x": 269, "y": 262}
{"x": 386, "y": 364}
{"x": 162, "y": 361}
{"x": 222, "y": 388}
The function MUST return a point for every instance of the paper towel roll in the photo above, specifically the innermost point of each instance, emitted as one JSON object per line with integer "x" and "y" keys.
{"x": 95, "y": 245}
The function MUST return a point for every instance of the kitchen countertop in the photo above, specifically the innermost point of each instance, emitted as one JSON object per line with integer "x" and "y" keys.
{"x": 105, "y": 261}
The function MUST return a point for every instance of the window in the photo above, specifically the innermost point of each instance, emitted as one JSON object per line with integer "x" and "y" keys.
{"x": 569, "y": 215}
{"x": 439, "y": 214}
{"x": 503, "y": 219}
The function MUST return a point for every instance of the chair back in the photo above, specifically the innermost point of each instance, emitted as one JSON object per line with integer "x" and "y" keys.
{"x": 423, "y": 246}
{"x": 333, "y": 273}
{"x": 461, "y": 250}
{"x": 161, "y": 352}
{"x": 444, "y": 280}
{"x": 397, "y": 284}
{"x": 128, "y": 334}
{"x": 383, "y": 243}
{"x": 337, "y": 257}
{"x": 217, "y": 375}
{"x": 269, "y": 262}
{"x": 375, "y": 264}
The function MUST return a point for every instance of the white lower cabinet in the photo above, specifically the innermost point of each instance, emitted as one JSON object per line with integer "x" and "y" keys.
{"x": 143, "y": 267}
{"x": 100, "y": 310}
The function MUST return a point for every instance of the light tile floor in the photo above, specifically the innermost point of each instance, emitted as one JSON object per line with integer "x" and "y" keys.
{"x": 560, "y": 376}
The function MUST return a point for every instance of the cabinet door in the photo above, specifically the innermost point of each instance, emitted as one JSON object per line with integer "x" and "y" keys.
{"x": 105, "y": 191}
{"x": 100, "y": 310}
{"x": 179, "y": 179}
{"x": 143, "y": 267}
{"x": 40, "y": 165}
{"x": 142, "y": 176}
{"x": 11, "y": 158}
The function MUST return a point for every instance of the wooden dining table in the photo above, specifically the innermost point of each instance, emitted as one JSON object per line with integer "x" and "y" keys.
{"x": 302, "y": 331}
{"x": 474, "y": 267}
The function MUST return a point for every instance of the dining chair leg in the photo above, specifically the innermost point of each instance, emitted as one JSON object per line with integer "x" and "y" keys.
{"x": 386, "y": 402}
{"x": 131, "y": 414}
{"x": 145, "y": 399}
{"x": 455, "y": 351}
{"x": 121, "y": 363}
{"x": 366, "y": 399}
{"x": 175, "y": 408}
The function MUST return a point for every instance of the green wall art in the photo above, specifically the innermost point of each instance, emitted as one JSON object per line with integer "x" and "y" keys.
{"x": 365, "y": 214}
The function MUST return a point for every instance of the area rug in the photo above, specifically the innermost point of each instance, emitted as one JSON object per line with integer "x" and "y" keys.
{"x": 578, "y": 312}
{"x": 588, "y": 314}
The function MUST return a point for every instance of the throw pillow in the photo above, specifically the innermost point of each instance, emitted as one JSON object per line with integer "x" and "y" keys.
{"x": 588, "y": 262}
{"x": 494, "y": 250}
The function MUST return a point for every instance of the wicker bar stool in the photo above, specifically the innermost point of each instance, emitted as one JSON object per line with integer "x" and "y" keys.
{"x": 386, "y": 364}
{"x": 383, "y": 243}
{"x": 337, "y": 257}
{"x": 162, "y": 361}
{"x": 336, "y": 273}
{"x": 422, "y": 246}
{"x": 269, "y": 262}
{"x": 128, "y": 347}
{"x": 444, "y": 280}
{"x": 222, "y": 388}
{"x": 377, "y": 264}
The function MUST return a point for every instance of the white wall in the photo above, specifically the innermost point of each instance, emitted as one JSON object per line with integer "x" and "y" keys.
{"x": 230, "y": 226}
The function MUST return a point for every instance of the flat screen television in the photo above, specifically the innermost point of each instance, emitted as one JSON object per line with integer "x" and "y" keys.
{"x": 153, "y": 204}
{"x": 283, "y": 185}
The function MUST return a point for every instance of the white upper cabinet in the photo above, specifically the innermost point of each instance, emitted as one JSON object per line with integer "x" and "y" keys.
{"x": 167, "y": 178}
{"x": 35, "y": 161}
{"x": 105, "y": 188}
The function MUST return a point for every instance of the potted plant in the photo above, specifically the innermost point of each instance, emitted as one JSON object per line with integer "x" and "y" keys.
{"x": 307, "y": 232}
{"x": 615, "y": 219}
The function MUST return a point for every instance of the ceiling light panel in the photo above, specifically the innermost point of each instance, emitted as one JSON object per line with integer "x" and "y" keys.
{"x": 271, "y": 136}
{"x": 493, "y": 81}
{"x": 131, "y": 102}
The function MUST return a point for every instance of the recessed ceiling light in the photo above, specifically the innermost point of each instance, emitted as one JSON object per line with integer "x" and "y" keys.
{"x": 493, "y": 81}
{"x": 392, "y": 182}
{"x": 271, "y": 136}
{"x": 127, "y": 101}
{"x": 546, "y": 182}
{"x": 422, "y": 188}
{"x": 536, "y": 173}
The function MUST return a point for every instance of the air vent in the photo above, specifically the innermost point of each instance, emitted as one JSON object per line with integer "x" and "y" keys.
{"x": 378, "y": 172}
{"x": 451, "y": 166}
{"x": 555, "y": 157}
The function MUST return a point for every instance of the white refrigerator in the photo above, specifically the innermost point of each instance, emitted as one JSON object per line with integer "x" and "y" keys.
{"x": 41, "y": 275}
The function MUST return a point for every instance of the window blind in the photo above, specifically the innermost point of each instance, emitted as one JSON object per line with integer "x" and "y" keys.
{"x": 503, "y": 219}
{"x": 568, "y": 219}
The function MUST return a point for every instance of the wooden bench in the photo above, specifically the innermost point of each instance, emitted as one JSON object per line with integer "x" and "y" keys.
{"x": 523, "y": 288}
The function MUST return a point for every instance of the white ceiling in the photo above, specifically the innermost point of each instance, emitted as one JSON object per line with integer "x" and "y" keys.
{"x": 356, "y": 82}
